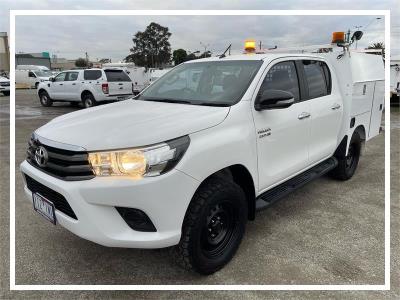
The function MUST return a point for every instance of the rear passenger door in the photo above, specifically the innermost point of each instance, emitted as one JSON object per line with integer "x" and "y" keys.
{"x": 71, "y": 86}
{"x": 282, "y": 134}
{"x": 326, "y": 109}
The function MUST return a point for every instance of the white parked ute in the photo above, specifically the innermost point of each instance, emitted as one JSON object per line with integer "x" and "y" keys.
{"x": 5, "y": 86}
{"x": 88, "y": 87}
{"x": 199, "y": 151}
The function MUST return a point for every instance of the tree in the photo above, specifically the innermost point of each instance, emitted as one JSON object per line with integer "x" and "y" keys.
{"x": 151, "y": 47}
{"x": 379, "y": 45}
{"x": 179, "y": 56}
{"x": 81, "y": 63}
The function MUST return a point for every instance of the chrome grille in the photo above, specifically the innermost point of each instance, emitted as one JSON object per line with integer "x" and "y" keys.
{"x": 64, "y": 164}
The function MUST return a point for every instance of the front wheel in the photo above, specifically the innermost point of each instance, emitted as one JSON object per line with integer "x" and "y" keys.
{"x": 347, "y": 165}
{"x": 213, "y": 227}
{"x": 45, "y": 99}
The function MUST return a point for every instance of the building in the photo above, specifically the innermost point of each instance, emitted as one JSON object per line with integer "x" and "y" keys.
{"x": 60, "y": 64}
{"x": 36, "y": 59}
{"x": 4, "y": 52}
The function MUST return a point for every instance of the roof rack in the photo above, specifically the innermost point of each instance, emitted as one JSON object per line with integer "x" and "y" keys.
{"x": 303, "y": 49}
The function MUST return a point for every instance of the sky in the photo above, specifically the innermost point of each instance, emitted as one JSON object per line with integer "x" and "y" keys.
{"x": 111, "y": 36}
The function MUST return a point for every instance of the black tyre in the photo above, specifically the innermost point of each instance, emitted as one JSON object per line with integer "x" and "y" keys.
{"x": 6, "y": 93}
{"x": 347, "y": 165}
{"x": 45, "y": 99}
{"x": 213, "y": 227}
{"x": 88, "y": 100}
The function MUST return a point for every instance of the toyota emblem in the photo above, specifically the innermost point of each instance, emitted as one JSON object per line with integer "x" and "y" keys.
{"x": 41, "y": 156}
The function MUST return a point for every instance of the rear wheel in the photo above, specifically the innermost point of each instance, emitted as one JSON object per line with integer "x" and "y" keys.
{"x": 45, "y": 99}
{"x": 213, "y": 227}
{"x": 88, "y": 100}
{"x": 347, "y": 165}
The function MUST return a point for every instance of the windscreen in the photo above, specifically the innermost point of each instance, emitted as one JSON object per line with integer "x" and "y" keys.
{"x": 116, "y": 75}
{"x": 204, "y": 83}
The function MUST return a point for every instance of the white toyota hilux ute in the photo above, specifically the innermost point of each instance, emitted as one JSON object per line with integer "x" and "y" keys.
{"x": 89, "y": 87}
{"x": 195, "y": 155}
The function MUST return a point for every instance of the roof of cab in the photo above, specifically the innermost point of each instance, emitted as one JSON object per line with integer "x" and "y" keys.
{"x": 256, "y": 56}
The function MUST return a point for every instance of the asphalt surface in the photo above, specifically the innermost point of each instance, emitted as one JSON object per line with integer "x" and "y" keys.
{"x": 328, "y": 232}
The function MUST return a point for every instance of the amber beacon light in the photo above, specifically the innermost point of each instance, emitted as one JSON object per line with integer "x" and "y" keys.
{"x": 250, "y": 46}
{"x": 338, "y": 37}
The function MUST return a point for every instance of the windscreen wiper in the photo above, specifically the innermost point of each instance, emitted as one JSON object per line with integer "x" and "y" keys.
{"x": 167, "y": 100}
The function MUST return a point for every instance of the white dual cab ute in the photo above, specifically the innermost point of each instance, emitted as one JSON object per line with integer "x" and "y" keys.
{"x": 88, "y": 86}
{"x": 198, "y": 152}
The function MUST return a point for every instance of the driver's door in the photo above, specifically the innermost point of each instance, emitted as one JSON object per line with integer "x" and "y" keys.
{"x": 282, "y": 134}
{"x": 57, "y": 88}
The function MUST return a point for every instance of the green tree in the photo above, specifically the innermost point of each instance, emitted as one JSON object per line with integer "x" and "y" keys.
{"x": 379, "y": 45}
{"x": 81, "y": 63}
{"x": 179, "y": 56}
{"x": 151, "y": 48}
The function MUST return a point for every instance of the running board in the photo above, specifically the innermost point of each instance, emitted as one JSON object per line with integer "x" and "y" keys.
{"x": 271, "y": 196}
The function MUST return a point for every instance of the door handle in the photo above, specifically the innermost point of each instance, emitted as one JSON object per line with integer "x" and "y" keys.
{"x": 120, "y": 83}
{"x": 335, "y": 106}
{"x": 303, "y": 115}
{"x": 74, "y": 84}
{"x": 61, "y": 83}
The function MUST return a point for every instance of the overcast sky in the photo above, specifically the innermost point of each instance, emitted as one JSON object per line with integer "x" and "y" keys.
{"x": 111, "y": 36}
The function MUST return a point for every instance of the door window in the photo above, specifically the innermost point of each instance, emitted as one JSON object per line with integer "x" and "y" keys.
{"x": 282, "y": 76}
{"x": 60, "y": 77}
{"x": 92, "y": 74}
{"x": 71, "y": 76}
{"x": 318, "y": 78}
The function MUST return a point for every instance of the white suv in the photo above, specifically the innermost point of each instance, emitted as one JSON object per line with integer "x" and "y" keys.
{"x": 204, "y": 147}
{"x": 86, "y": 86}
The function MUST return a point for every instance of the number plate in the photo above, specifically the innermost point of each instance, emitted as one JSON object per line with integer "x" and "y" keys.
{"x": 44, "y": 207}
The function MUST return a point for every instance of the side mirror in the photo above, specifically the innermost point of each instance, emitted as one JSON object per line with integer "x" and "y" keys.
{"x": 51, "y": 78}
{"x": 31, "y": 74}
{"x": 357, "y": 35}
{"x": 273, "y": 99}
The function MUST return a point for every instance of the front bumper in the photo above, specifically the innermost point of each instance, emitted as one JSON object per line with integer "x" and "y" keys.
{"x": 163, "y": 198}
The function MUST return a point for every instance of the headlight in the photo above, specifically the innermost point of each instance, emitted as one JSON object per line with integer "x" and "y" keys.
{"x": 140, "y": 162}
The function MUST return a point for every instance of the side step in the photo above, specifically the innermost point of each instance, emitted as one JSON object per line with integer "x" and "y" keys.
{"x": 271, "y": 196}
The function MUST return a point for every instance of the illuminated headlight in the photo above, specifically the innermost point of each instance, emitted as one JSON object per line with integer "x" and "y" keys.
{"x": 140, "y": 162}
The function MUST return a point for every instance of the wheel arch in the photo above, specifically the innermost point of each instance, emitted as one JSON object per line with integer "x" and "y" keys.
{"x": 240, "y": 175}
{"x": 86, "y": 92}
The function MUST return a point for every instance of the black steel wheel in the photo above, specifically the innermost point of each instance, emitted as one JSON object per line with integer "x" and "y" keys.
{"x": 213, "y": 227}
{"x": 347, "y": 164}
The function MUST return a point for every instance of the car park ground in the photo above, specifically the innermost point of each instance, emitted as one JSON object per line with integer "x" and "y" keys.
{"x": 327, "y": 232}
